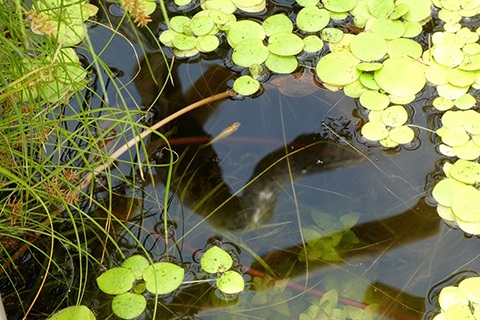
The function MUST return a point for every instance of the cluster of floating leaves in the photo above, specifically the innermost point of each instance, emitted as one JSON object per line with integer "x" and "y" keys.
{"x": 327, "y": 236}
{"x": 136, "y": 275}
{"x": 328, "y": 308}
{"x": 60, "y": 77}
{"x": 216, "y": 260}
{"x": 61, "y": 19}
{"x": 460, "y": 302}
{"x": 457, "y": 195}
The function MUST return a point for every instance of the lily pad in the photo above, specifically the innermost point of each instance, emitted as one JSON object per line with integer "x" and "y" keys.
{"x": 404, "y": 48}
{"x": 340, "y": 5}
{"x": 332, "y": 35}
{"x": 470, "y": 287}
{"x": 387, "y": 28}
{"x": 374, "y": 130}
{"x": 285, "y": 44}
{"x": 240, "y": 31}
{"x": 216, "y": 260}
{"x": 231, "y": 282}
{"x": 420, "y": 10}
{"x": 395, "y": 116}
{"x": 277, "y": 23}
{"x": 137, "y": 264}
{"x": 465, "y": 204}
{"x": 381, "y": 8}
{"x": 281, "y": 64}
{"x": 74, "y": 313}
{"x": 401, "y": 134}
{"x": 246, "y": 85}
{"x": 312, "y": 43}
{"x": 248, "y": 52}
{"x": 163, "y": 277}
{"x": 374, "y": 100}
{"x": 312, "y": 19}
{"x": 116, "y": 280}
{"x": 465, "y": 171}
{"x": 401, "y": 76}
{"x": 444, "y": 191}
{"x": 338, "y": 68}
{"x": 368, "y": 46}
{"x": 128, "y": 305}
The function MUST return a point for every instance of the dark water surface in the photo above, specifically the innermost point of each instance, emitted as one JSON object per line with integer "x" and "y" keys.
{"x": 408, "y": 249}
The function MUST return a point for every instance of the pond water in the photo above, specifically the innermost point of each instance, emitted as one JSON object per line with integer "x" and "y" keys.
{"x": 403, "y": 251}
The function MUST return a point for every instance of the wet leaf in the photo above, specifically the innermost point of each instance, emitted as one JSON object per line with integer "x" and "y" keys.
{"x": 74, "y": 313}
{"x": 116, "y": 280}
{"x": 216, "y": 260}
{"x": 128, "y": 305}
{"x": 231, "y": 282}
{"x": 163, "y": 277}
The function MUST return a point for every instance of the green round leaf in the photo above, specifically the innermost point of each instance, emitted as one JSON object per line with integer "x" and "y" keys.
{"x": 74, "y": 313}
{"x": 201, "y": 25}
{"x": 470, "y": 287}
{"x": 465, "y": 204}
{"x": 467, "y": 151}
{"x": 285, "y": 44}
{"x": 312, "y": 19}
{"x": 116, "y": 280}
{"x": 374, "y": 130}
{"x": 444, "y": 191}
{"x": 231, "y": 282}
{"x": 395, "y": 116}
{"x": 128, "y": 305}
{"x": 380, "y": 8}
{"x": 419, "y": 9}
{"x": 246, "y": 85}
{"x": 277, "y": 23}
{"x": 401, "y": 77}
{"x": 442, "y": 104}
{"x": 454, "y": 136}
{"x": 216, "y": 260}
{"x": 374, "y": 100}
{"x": 340, "y": 5}
{"x": 312, "y": 44}
{"x": 332, "y": 35}
{"x": 387, "y": 28}
{"x": 404, "y": 48}
{"x": 281, "y": 64}
{"x": 369, "y": 66}
{"x": 368, "y": 46}
{"x": 177, "y": 23}
{"x": 465, "y": 171}
{"x": 163, "y": 277}
{"x": 207, "y": 43}
{"x": 248, "y": 52}
{"x": 240, "y": 31}
{"x": 450, "y": 296}
{"x": 401, "y": 134}
{"x": 137, "y": 264}
{"x": 338, "y": 68}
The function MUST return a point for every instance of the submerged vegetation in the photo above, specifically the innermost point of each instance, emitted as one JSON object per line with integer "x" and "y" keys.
{"x": 79, "y": 154}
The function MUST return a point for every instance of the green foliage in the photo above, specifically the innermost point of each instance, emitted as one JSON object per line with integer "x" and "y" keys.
{"x": 217, "y": 260}
{"x": 74, "y": 313}
{"x": 462, "y": 302}
{"x": 329, "y": 235}
{"x": 327, "y": 308}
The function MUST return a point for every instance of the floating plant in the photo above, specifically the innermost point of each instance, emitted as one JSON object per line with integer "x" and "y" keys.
{"x": 460, "y": 302}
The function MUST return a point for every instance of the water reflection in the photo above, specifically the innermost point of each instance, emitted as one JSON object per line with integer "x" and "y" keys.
{"x": 199, "y": 183}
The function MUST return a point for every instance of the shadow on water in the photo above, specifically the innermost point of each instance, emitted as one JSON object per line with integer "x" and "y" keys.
{"x": 200, "y": 184}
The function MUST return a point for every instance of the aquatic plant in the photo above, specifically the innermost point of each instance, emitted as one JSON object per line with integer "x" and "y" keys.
{"x": 460, "y": 302}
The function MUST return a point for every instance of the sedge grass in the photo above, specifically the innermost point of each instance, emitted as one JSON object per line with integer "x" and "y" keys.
{"x": 49, "y": 153}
